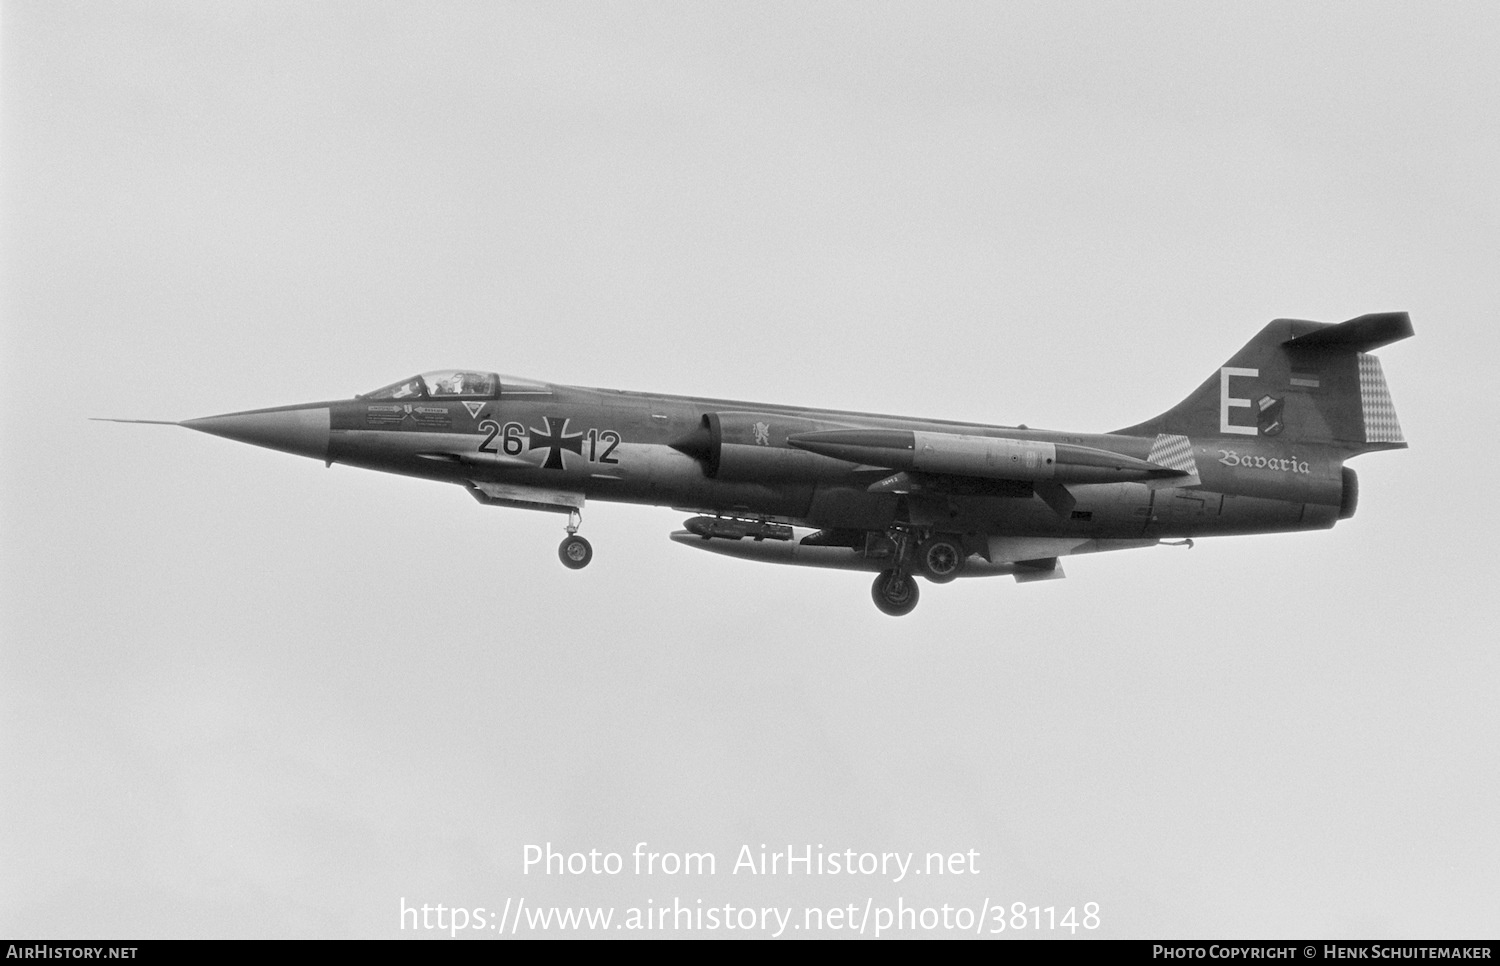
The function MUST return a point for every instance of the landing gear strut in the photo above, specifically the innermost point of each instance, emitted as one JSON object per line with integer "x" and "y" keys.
{"x": 907, "y": 552}
{"x": 575, "y": 552}
{"x": 895, "y": 592}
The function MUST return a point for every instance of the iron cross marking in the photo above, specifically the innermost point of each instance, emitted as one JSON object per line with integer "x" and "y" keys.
{"x": 555, "y": 440}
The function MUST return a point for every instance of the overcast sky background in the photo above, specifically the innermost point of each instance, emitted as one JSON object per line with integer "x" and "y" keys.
{"x": 245, "y": 695}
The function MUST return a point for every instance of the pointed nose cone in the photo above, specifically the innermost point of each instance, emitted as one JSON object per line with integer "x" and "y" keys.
{"x": 302, "y": 431}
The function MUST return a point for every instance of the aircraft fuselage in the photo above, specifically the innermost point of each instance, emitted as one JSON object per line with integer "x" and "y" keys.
{"x": 1259, "y": 447}
{"x": 619, "y": 447}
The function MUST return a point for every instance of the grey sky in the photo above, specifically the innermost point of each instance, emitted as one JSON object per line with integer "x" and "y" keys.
{"x": 245, "y": 695}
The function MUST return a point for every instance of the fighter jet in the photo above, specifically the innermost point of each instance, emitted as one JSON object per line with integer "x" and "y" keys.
{"x": 1259, "y": 447}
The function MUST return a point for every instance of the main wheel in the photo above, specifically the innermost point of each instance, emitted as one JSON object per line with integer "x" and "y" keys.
{"x": 575, "y": 552}
{"x": 895, "y": 592}
{"x": 940, "y": 559}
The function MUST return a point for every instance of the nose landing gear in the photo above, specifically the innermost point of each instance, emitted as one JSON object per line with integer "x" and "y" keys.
{"x": 575, "y": 552}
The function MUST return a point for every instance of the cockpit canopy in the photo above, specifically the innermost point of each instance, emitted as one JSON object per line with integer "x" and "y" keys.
{"x": 442, "y": 384}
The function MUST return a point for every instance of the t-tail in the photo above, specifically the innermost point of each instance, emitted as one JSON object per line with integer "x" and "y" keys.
{"x": 1297, "y": 382}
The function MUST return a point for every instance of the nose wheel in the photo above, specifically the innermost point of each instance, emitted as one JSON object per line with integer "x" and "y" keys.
{"x": 575, "y": 552}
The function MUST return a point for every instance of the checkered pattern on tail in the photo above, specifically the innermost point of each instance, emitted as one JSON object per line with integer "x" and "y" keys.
{"x": 1375, "y": 400}
{"x": 1175, "y": 453}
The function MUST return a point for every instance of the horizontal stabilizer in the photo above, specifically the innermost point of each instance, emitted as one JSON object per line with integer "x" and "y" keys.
{"x": 1364, "y": 334}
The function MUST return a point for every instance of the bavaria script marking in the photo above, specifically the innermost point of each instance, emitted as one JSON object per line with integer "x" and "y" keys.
{"x": 1230, "y": 458}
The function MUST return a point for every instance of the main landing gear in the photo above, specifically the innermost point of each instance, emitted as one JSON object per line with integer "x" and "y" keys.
{"x": 575, "y": 552}
{"x": 939, "y": 557}
{"x": 895, "y": 592}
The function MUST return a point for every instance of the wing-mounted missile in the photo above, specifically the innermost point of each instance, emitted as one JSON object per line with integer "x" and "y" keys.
{"x": 811, "y": 551}
{"x": 733, "y": 528}
{"x": 982, "y": 457}
{"x": 1024, "y": 559}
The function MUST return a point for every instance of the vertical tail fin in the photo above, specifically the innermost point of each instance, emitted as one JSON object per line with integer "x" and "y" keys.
{"x": 1300, "y": 381}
